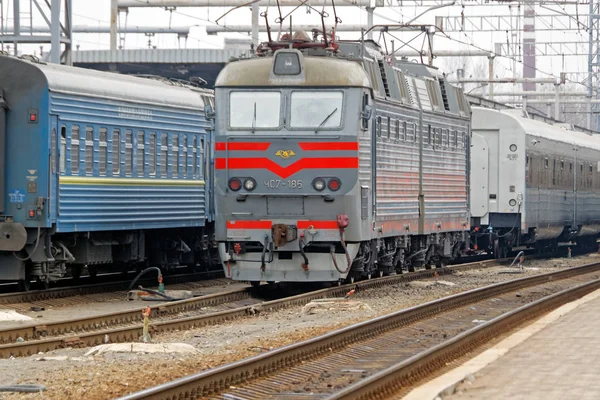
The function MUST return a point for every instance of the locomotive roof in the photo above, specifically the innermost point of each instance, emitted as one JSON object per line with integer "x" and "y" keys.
{"x": 541, "y": 129}
{"x": 88, "y": 82}
{"x": 318, "y": 71}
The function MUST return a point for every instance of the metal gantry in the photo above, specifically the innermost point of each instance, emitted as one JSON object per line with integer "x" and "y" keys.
{"x": 58, "y": 15}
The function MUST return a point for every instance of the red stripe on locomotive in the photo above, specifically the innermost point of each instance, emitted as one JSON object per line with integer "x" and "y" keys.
{"x": 318, "y": 224}
{"x": 249, "y": 224}
{"x": 328, "y": 145}
{"x": 285, "y": 172}
{"x": 241, "y": 146}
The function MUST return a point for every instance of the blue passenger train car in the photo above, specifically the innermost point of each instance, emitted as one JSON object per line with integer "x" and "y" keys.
{"x": 100, "y": 168}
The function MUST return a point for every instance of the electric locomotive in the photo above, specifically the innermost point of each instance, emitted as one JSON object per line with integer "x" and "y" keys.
{"x": 333, "y": 161}
{"x": 100, "y": 169}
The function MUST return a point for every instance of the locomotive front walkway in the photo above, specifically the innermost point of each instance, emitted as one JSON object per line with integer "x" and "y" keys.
{"x": 555, "y": 358}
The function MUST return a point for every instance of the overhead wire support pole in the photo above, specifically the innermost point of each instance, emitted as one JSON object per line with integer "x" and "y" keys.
{"x": 114, "y": 16}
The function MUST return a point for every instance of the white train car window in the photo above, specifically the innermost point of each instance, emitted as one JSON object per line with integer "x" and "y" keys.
{"x": 164, "y": 151}
{"x": 140, "y": 153}
{"x": 128, "y": 152}
{"x": 151, "y": 151}
{"x": 175, "y": 155}
{"x": 102, "y": 151}
{"x": 194, "y": 156}
{"x": 184, "y": 156}
{"x": 89, "y": 150}
{"x": 116, "y": 154}
{"x": 74, "y": 149}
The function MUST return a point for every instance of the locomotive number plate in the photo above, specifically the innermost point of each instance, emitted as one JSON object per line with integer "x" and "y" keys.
{"x": 289, "y": 183}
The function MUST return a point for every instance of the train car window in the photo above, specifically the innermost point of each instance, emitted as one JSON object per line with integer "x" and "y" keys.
{"x": 389, "y": 127}
{"x": 140, "y": 156}
{"x": 185, "y": 153}
{"x": 164, "y": 151}
{"x": 546, "y": 162}
{"x": 201, "y": 161}
{"x": 255, "y": 109}
{"x": 53, "y": 151}
{"x": 102, "y": 151}
{"x": 571, "y": 167}
{"x": 175, "y": 155}
{"x": 152, "y": 153}
{"x": 63, "y": 149}
{"x": 128, "y": 152}
{"x": 378, "y": 126}
{"x": 89, "y": 150}
{"x": 397, "y": 129}
{"x": 116, "y": 152}
{"x": 194, "y": 156}
{"x": 553, "y": 172}
{"x": 591, "y": 169}
{"x": 74, "y": 150}
{"x": 562, "y": 165}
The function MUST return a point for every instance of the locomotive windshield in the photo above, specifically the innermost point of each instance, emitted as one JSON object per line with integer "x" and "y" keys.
{"x": 321, "y": 110}
{"x": 254, "y": 109}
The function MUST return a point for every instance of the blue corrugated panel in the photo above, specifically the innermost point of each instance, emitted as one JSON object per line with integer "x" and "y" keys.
{"x": 121, "y": 207}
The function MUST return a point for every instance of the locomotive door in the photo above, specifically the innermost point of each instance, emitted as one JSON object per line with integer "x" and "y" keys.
{"x": 54, "y": 168}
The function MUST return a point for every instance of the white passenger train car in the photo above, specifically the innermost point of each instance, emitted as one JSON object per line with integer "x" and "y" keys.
{"x": 532, "y": 183}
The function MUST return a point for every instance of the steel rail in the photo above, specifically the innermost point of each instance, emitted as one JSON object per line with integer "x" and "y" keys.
{"x": 92, "y": 331}
{"x": 404, "y": 374}
{"x": 69, "y": 291}
{"x": 216, "y": 380}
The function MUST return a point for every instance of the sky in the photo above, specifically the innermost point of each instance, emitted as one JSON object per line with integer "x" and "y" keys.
{"x": 97, "y": 13}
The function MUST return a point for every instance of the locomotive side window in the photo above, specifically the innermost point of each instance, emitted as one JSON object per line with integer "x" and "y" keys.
{"x": 256, "y": 109}
{"x": 89, "y": 150}
{"x": 116, "y": 155}
{"x": 128, "y": 152}
{"x": 140, "y": 153}
{"x": 152, "y": 153}
{"x": 316, "y": 110}
{"x": 102, "y": 151}
{"x": 74, "y": 150}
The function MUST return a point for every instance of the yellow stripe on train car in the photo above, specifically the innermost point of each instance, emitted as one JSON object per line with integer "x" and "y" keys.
{"x": 88, "y": 180}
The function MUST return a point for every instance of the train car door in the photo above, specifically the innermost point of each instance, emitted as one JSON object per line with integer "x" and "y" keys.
{"x": 54, "y": 169}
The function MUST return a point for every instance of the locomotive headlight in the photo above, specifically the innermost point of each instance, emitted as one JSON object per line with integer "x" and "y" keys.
{"x": 512, "y": 202}
{"x": 319, "y": 184}
{"x": 249, "y": 184}
{"x": 513, "y": 147}
{"x": 235, "y": 184}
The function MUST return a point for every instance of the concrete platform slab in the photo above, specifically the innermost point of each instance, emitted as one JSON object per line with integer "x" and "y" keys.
{"x": 555, "y": 358}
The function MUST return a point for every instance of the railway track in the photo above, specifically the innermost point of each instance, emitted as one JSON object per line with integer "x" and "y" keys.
{"x": 127, "y": 325}
{"x": 104, "y": 287}
{"x": 374, "y": 358}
